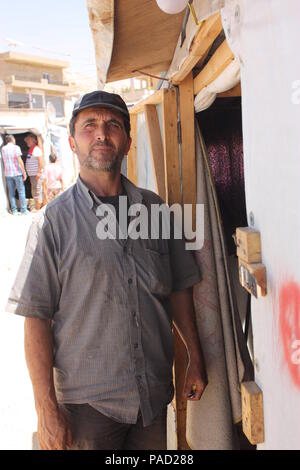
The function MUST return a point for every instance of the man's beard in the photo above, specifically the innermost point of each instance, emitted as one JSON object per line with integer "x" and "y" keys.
{"x": 96, "y": 164}
{"x": 110, "y": 163}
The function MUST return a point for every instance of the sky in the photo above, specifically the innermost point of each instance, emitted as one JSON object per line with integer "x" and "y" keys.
{"x": 52, "y": 28}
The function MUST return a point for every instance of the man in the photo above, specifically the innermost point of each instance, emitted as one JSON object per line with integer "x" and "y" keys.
{"x": 34, "y": 167}
{"x": 15, "y": 174}
{"x": 98, "y": 332}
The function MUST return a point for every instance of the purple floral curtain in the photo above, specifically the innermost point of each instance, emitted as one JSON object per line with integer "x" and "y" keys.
{"x": 221, "y": 127}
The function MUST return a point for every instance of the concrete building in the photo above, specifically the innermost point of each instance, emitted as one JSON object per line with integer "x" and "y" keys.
{"x": 31, "y": 83}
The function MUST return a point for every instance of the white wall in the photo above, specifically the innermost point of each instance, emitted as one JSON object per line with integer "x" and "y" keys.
{"x": 23, "y": 119}
{"x": 265, "y": 36}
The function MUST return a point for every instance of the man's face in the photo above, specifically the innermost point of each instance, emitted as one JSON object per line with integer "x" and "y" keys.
{"x": 100, "y": 140}
{"x": 30, "y": 141}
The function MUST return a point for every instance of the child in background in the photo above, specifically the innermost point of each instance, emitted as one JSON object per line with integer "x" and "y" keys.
{"x": 55, "y": 183}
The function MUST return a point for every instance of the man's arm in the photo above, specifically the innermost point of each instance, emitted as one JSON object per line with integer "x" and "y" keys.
{"x": 40, "y": 166}
{"x": 184, "y": 318}
{"x": 21, "y": 163}
{"x": 54, "y": 432}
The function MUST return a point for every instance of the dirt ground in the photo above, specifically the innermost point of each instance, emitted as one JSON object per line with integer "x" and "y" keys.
{"x": 17, "y": 412}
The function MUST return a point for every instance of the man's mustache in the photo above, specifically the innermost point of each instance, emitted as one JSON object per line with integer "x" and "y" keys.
{"x": 102, "y": 144}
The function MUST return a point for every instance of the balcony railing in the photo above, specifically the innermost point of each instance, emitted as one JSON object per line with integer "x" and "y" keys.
{"x": 50, "y": 80}
{"x": 25, "y": 78}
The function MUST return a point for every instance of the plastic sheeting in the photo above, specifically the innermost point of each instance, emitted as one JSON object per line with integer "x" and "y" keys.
{"x": 101, "y": 16}
{"x": 228, "y": 79}
{"x": 146, "y": 176}
{"x": 210, "y": 421}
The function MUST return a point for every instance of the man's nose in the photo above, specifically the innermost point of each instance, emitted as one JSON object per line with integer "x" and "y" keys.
{"x": 101, "y": 132}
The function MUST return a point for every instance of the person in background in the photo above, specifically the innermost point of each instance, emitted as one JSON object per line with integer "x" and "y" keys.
{"x": 53, "y": 173}
{"x": 34, "y": 167}
{"x": 15, "y": 174}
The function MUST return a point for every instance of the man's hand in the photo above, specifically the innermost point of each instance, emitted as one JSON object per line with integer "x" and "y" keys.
{"x": 195, "y": 382}
{"x": 24, "y": 176}
{"x": 184, "y": 319}
{"x": 54, "y": 429}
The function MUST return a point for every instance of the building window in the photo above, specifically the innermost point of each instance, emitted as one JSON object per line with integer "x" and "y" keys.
{"x": 37, "y": 101}
{"x": 58, "y": 104}
{"x": 137, "y": 84}
{"x": 140, "y": 84}
{"x": 18, "y": 100}
{"x": 46, "y": 76}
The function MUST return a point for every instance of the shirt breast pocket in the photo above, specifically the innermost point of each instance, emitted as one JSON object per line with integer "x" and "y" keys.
{"x": 159, "y": 272}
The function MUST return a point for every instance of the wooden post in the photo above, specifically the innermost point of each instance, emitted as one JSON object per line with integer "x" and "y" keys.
{"x": 132, "y": 166}
{"x": 171, "y": 154}
{"x": 156, "y": 147}
{"x": 188, "y": 172}
{"x": 187, "y": 122}
{"x": 171, "y": 149}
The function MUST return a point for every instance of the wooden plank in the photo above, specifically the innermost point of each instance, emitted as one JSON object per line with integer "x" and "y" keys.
{"x": 155, "y": 98}
{"x": 252, "y": 412}
{"x": 188, "y": 171}
{"x": 208, "y": 31}
{"x": 132, "y": 165}
{"x": 218, "y": 62}
{"x": 171, "y": 157}
{"x": 156, "y": 148}
{"x": 187, "y": 117}
{"x": 235, "y": 91}
{"x": 248, "y": 244}
{"x": 253, "y": 277}
{"x": 171, "y": 149}
{"x": 180, "y": 362}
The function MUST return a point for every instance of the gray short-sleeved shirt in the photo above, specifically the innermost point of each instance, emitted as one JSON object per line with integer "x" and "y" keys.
{"x": 108, "y": 304}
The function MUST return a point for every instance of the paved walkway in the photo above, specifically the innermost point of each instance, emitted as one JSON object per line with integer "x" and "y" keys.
{"x": 17, "y": 412}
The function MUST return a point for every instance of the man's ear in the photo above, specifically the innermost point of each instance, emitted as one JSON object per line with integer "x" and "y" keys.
{"x": 72, "y": 143}
{"x": 128, "y": 145}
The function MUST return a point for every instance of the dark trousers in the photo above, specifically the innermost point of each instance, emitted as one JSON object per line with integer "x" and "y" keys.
{"x": 91, "y": 430}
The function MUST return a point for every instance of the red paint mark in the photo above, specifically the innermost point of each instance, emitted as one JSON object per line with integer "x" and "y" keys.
{"x": 289, "y": 322}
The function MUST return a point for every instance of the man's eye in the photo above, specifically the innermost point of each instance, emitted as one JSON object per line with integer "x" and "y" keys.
{"x": 114, "y": 124}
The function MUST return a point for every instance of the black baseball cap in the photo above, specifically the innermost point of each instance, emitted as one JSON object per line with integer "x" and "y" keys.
{"x": 102, "y": 99}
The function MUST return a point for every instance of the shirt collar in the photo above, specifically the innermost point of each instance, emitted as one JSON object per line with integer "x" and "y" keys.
{"x": 133, "y": 192}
